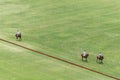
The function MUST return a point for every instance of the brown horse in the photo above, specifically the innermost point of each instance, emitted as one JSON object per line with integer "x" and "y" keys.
{"x": 18, "y": 36}
{"x": 100, "y": 59}
{"x": 84, "y": 57}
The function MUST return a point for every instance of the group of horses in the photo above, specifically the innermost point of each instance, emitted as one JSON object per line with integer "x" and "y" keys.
{"x": 99, "y": 59}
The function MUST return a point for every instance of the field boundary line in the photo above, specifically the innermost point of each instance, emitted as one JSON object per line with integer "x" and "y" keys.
{"x": 75, "y": 64}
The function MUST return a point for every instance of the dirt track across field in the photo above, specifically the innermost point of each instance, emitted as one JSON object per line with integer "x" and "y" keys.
{"x": 60, "y": 59}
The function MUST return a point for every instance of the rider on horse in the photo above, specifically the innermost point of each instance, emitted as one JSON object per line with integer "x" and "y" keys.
{"x": 100, "y": 57}
{"x": 84, "y": 55}
{"x": 18, "y": 35}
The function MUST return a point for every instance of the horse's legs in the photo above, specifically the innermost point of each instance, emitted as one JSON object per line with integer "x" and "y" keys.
{"x": 19, "y": 38}
{"x": 98, "y": 60}
{"x": 101, "y": 61}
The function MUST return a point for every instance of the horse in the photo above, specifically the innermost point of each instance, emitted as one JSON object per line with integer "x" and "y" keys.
{"x": 84, "y": 57}
{"x": 18, "y": 36}
{"x": 100, "y": 59}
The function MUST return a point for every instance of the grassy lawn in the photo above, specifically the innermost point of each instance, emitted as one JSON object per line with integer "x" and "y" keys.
{"x": 19, "y": 64}
{"x": 64, "y": 29}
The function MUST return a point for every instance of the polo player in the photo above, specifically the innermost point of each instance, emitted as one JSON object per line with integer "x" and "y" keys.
{"x": 84, "y": 53}
{"x": 18, "y": 35}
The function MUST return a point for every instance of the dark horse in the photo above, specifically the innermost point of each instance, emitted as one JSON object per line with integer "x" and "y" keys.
{"x": 18, "y": 36}
{"x": 100, "y": 59}
{"x": 84, "y": 57}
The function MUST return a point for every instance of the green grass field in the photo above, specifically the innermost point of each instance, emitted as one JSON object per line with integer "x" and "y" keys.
{"x": 62, "y": 28}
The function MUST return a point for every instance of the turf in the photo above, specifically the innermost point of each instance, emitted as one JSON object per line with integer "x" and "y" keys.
{"x": 20, "y": 64}
{"x": 65, "y": 28}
